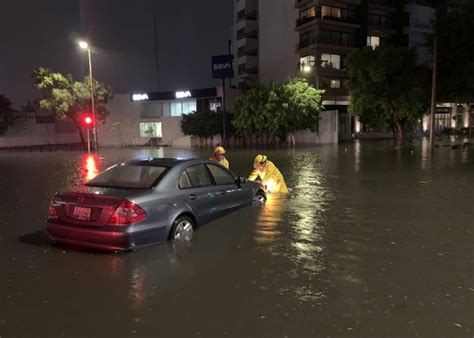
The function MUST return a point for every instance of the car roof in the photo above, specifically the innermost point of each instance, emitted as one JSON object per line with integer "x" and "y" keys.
{"x": 163, "y": 162}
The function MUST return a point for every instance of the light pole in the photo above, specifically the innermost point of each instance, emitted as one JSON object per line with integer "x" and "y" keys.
{"x": 85, "y": 45}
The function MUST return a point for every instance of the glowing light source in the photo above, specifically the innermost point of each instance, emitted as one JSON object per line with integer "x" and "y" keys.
{"x": 183, "y": 94}
{"x": 83, "y": 45}
{"x": 88, "y": 120}
{"x": 426, "y": 121}
{"x": 357, "y": 125}
{"x": 271, "y": 185}
{"x": 307, "y": 69}
{"x": 140, "y": 97}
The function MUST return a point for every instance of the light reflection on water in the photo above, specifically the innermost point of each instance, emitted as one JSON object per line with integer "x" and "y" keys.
{"x": 293, "y": 226}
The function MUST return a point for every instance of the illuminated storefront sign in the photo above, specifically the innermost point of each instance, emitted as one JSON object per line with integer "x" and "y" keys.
{"x": 139, "y": 97}
{"x": 183, "y": 94}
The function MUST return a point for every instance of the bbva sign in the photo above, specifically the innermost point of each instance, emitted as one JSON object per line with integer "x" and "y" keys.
{"x": 222, "y": 66}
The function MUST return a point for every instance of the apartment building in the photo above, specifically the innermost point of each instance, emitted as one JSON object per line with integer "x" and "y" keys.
{"x": 278, "y": 39}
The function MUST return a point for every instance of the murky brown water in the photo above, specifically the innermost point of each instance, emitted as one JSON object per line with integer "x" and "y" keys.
{"x": 371, "y": 242}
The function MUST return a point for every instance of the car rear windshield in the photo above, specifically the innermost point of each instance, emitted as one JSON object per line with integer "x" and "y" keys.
{"x": 129, "y": 176}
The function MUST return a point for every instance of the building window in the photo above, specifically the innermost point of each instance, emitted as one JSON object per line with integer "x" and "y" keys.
{"x": 308, "y": 13}
{"x": 335, "y": 83}
{"x": 337, "y": 38}
{"x": 241, "y": 34}
{"x": 215, "y": 105}
{"x": 380, "y": 21}
{"x": 307, "y": 39}
{"x": 306, "y": 61}
{"x": 241, "y": 15}
{"x": 373, "y": 41}
{"x": 151, "y": 109}
{"x": 333, "y": 12}
{"x": 331, "y": 61}
{"x": 179, "y": 108}
{"x": 241, "y": 68}
{"x": 150, "y": 129}
{"x": 241, "y": 51}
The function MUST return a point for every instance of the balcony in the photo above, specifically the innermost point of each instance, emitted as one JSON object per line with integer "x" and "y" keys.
{"x": 252, "y": 70}
{"x": 347, "y": 18}
{"x": 352, "y": 19}
{"x": 251, "y": 51}
{"x": 251, "y": 33}
{"x": 387, "y": 4}
{"x": 299, "y": 3}
{"x": 253, "y": 15}
{"x": 306, "y": 43}
{"x": 305, "y": 20}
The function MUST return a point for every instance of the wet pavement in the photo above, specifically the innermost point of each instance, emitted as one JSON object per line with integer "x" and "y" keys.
{"x": 371, "y": 241}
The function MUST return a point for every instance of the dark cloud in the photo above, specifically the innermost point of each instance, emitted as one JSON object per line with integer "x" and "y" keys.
{"x": 43, "y": 33}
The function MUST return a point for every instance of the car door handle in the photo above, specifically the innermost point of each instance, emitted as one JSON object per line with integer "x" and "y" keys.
{"x": 192, "y": 197}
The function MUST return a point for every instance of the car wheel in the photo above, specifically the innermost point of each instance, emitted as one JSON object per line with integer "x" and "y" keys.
{"x": 183, "y": 229}
{"x": 259, "y": 199}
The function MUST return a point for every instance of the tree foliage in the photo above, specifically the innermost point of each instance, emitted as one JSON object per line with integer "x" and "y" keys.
{"x": 6, "y": 114}
{"x": 278, "y": 109}
{"x": 387, "y": 87}
{"x": 206, "y": 124}
{"x": 454, "y": 29}
{"x": 67, "y": 98}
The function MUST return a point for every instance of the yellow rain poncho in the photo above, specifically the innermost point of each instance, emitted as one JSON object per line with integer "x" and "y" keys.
{"x": 223, "y": 161}
{"x": 269, "y": 174}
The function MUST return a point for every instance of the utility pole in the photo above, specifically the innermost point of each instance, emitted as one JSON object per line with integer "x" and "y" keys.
{"x": 433, "y": 90}
{"x": 155, "y": 32}
{"x": 224, "y": 136}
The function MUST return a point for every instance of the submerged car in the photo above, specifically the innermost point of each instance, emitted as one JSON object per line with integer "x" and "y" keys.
{"x": 145, "y": 202}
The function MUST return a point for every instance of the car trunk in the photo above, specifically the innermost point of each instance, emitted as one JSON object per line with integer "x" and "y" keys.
{"x": 92, "y": 207}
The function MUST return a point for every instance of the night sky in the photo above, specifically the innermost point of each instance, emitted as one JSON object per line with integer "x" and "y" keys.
{"x": 43, "y": 33}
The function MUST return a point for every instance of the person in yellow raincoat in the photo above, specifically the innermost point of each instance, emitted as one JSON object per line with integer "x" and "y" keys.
{"x": 269, "y": 174}
{"x": 219, "y": 153}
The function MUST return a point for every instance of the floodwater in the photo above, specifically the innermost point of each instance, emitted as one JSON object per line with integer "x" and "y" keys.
{"x": 371, "y": 242}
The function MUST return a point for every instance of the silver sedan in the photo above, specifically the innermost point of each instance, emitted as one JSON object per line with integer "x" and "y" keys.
{"x": 145, "y": 202}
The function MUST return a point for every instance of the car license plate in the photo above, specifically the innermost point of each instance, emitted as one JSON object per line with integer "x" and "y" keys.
{"x": 83, "y": 214}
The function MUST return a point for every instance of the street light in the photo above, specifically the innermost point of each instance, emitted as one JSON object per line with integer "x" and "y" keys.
{"x": 84, "y": 45}
{"x": 307, "y": 68}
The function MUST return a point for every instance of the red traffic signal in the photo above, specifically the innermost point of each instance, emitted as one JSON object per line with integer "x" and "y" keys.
{"x": 87, "y": 120}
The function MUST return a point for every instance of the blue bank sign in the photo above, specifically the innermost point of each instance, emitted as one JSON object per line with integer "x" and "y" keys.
{"x": 222, "y": 66}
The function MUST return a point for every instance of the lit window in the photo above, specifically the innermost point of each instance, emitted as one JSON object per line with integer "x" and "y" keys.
{"x": 150, "y": 129}
{"x": 331, "y": 61}
{"x": 330, "y": 11}
{"x": 308, "y": 13}
{"x": 215, "y": 106}
{"x": 189, "y": 106}
{"x": 309, "y": 60}
{"x": 373, "y": 41}
{"x": 335, "y": 83}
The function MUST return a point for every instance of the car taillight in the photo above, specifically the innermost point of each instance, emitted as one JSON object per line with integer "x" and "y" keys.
{"x": 52, "y": 214}
{"x": 127, "y": 213}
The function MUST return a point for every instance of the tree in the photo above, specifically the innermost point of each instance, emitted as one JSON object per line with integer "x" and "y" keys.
{"x": 6, "y": 114}
{"x": 278, "y": 110}
{"x": 67, "y": 98}
{"x": 454, "y": 29}
{"x": 203, "y": 124}
{"x": 387, "y": 87}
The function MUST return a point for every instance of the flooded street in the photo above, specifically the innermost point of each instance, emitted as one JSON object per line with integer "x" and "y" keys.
{"x": 371, "y": 241}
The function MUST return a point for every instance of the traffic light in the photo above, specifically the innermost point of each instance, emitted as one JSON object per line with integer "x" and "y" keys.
{"x": 87, "y": 120}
